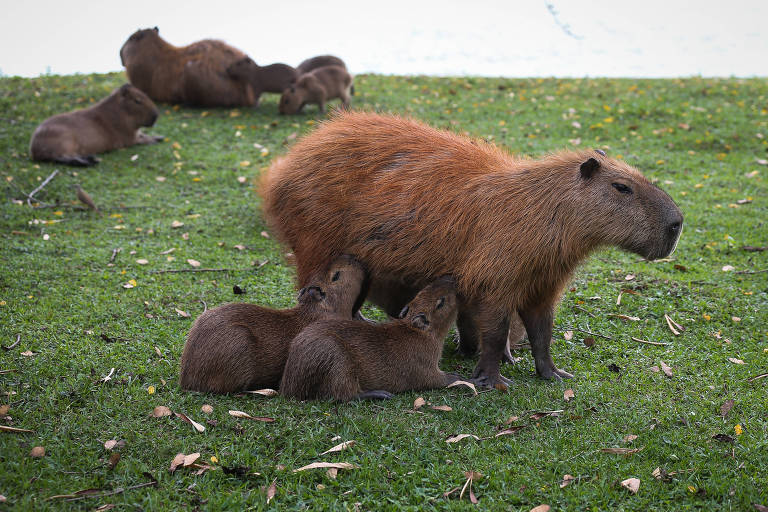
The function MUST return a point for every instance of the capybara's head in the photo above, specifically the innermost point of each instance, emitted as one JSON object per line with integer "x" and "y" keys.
{"x": 292, "y": 100}
{"x": 137, "y": 105}
{"x": 341, "y": 288}
{"x": 434, "y": 307}
{"x": 140, "y": 38}
{"x": 242, "y": 69}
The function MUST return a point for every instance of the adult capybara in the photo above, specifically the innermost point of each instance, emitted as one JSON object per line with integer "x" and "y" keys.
{"x": 75, "y": 137}
{"x": 272, "y": 78}
{"x": 194, "y": 74}
{"x": 238, "y": 347}
{"x": 413, "y": 203}
{"x": 319, "y": 61}
{"x": 347, "y": 359}
{"x": 317, "y": 86}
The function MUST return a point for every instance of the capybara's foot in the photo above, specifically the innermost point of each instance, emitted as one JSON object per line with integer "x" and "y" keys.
{"x": 377, "y": 394}
{"x": 487, "y": 379}
{"x": 553, "y": 373}
{"x": 507, "y": 357}
{"x": 78, "y": 161}
{"x": 157, "y": 138}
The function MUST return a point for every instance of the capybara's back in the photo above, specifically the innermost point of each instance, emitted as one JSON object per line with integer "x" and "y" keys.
{"x": 319, "y": 61}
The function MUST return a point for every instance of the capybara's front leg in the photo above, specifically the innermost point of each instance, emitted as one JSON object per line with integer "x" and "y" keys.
{"x": 538, "y": 323}
{"x": 494, "y": 332}
{"x": 143, "y": 138}
{"x": 468, "y": 333}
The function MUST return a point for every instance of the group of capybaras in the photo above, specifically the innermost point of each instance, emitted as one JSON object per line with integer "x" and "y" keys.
{"x": 435, "y": 228}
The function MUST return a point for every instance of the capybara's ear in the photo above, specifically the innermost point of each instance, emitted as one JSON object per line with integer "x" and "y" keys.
{"x": 600, "y": 152}
{"x": 403, "y": 312}
{"x": 589, "y": 168}
{"x": 156, "y": 30}
{"x": 420, "y": 321}
{"x": 125, "y": 90}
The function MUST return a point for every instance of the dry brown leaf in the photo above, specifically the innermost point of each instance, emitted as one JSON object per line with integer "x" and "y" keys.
{"x": 191, "y": 458}
{"x": 192, "y": 262}
{"x": 629, "y": 277}
{"x": 568, "y": 335}
{"x": 675, "y": 327}
{"x": 265, "y": 234}
{"x": 621, "y": 451}
{"x": 37, "y": 452}
{"x": 459, "y": 437}
{"x": 632, "y": 484}
{"x": 445, "y": 408}
{"x": 464, "y": 383}
{"x": 736, "y": 361}
{"x": 541, "y": 508}
{"x": 176, "y": 224}
{"x": 726, "y": 408}
{"x": 657, "y": 473}
{"x": 627, "y": 317}
{"x": 195, "y": 425}
{"x": 177, "y": 461}
{"x": 28, "y": 353}
{"x": 728, "y": 268}
{"x": 568, "y": 394}
{"x": 339, "y": 447}
{"x": 335, "y": 465}
{"x": 589, "y": 341}
{"x": 114, "y": 458}
{"x": 263, "y": 392}
{"x": 181, "y": 313}
{"x": 242, "y": 179}
{"x": 271, "y": 491}
{"x": 629, "y": 438}
{"x": 567, "y": 479}
{"x": 418, "y": 403}
{"x": 4, "y": 409}
{"x": 142, "y": 261}
{"x": 239, "y": 247}
{"x": 544, "y": 414}
{"x": 332, "y": 473}
{"x": 160, "y": 411}
{"x": 511, "y": 419}
{"x": 666, "y": 369}
{"x": 207, "y": 409}
{"x": 510, "y": 431}
{"x": 245, "y": 415}
{"x": 110, "y": 444}
{"x": 168, "y": 251}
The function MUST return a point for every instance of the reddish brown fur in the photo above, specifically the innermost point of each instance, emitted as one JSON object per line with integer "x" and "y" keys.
{"x": 345, "y": 359}
{"x": 238, "y": 347}
{"x": 194, "y": 74}
{"x": 317, "y": 86}
{"x": 319, "y": 61}
{"x": 413, "y": 203}
{"x": 272, "y": 78}
{"x": 73, "y": 138}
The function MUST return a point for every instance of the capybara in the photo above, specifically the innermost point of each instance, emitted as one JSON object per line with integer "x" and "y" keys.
{"x": 348, "y": 359}
{"x": 317, "y": 86}
{"x": 413, "y": 203}
{"x": 272, "y": 78}
{"x": 194, "y": 74}
{"x": 319, "y": 61}
{"x": 237, "y": 347}
{"x": 75, "y": 137}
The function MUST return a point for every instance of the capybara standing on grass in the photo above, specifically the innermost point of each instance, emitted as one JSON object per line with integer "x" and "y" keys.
{"x": 237, "y": 347}
{"x": 347, "y": 359}
{"x": 272, "y": 78}
{"x": 194, "y": 74}
{"x": 112, "y": 123}
{"x": 319, "y": 61}
{"x": 414, "y": 203}
{"x": 317, "y": 86}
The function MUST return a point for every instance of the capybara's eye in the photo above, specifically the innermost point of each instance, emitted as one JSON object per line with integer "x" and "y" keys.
{"x": 336, "y": 276}
{"x": 622, "y": 188}
{"x": 440, "y": 302}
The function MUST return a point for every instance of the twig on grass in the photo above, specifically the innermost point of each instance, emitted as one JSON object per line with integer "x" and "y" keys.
{"x": 178, "y": 270}
{"x": 205, "y": 306}
{"x": 648, "y": 342}
{"x": 119, "y": 490}
{"x": 568, "y": 328}
{"x": 751, "y": 271}
{"x": 115, "y": 251}
{"x": 31, "y": 195}
{"x": 9, "y": 347}
{"x": 584, "y": 310}
{"x": 756, "y": 377}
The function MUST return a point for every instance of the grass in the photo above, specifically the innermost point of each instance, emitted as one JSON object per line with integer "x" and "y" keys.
{"x": 702, "y": 139}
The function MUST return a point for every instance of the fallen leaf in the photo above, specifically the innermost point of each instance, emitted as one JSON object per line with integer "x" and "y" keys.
{"x": 728, "y": 268}
{"x": 444, "y": 408}
{"x": 568, "y": 335}
{"x": 568, "y": 394}
{"x": 544, "y": 414}
{"x": 194, "y": 263}
{"x": 177, "y": 461}
{"x": 182, "y": 313}
{"x": 245, "y": 415}
{"x": 37, "y": 452}
{"x": 28, "y": 353}
{"x": 673, "y": 326}
{"x": 142, "y": 261}
{"x": 207, "y": 409}
{"x": 629, "y": 277}
{"x": 114, "y": 458}
{"x": 4, "y": 409}
{"x": 335, "y": 465}
{"x": 339, "y": 447}
{"x": 6, "y": 428}
{"x": 265, "y": 234}
{"x": 195, "y": 425}
{"x": 418, "y": 403}
{"x": 723, "y": 438}
{"x": 463, "y": 383}
{"x": 160, "y": 411}
{"x": 189, "y": 459}
{"x": 632, "y": 484}
{"x": 459, "y": 437}
{"x": 620, "y": 451}
{"x": 176, "y": 224}
{"x": 511, "y": 419}
{"x": 110, "y": 444}
{"x": 567, "y": 479}
{"x": 168, "y": 251}
{"x": 157, "y": 351}
{"x": 510, "y": 431}
{"x": 629, "y": 438}
{"x": 735, "y": 361}
{"x": 726, "y": 408}
{"x": 541, "y": 508}
{"x": 628, "y": 318}
{"x": 271, "y": 491}
{"x": 332, "y": 473}
{"x": 760, "y": 508}
{"x": 239, "y": 247}
{"x": 263, "y": 392}
{"x": 666, "y": 369}
{"x": 160, "y": 178}
{"x": 589, "y": 341}
{"x": 242, "y": 179}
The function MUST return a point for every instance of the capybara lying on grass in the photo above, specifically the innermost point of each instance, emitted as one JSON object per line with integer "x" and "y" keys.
{"x": 194, "y": 74}
{"x": 414, "y": 203}
{"x": 272, "y": 78}
{"x": 348, "y": 359}
{"x": 319, "y": 61}
{"x": 237, "y": 347}
{"x": 75, "y": 137}
{"x": 317, "y": 86}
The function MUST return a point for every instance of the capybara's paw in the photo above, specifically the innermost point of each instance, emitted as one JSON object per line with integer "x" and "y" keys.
{"x": 507, "y": 356}
{"x": 488, "y": 380}
{"x": 554, "y": 373}
{"x": 157, "y": 138}
{"x": 377, "y": 394}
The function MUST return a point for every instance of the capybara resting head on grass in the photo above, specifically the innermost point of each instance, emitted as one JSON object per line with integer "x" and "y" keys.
{"x": 194, "y": 74}
{"x": 237, "y": 347}
{"x": 414, "y": 203}
{"x": 347, "y": 359}
{"x": 272, "y": 78}
{"x": 319, "y": 61}
{"x": 75, "y": 137}
{"x": 317, "y": 86}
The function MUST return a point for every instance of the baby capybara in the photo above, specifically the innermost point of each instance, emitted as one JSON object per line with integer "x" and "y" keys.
{"x": 413, "y": 203}
{"x": 319, "y": 61}
{"x": 237, "y": 347}
{"x": 194, "y": 74}
{"x": 317, "y": 86}
{"x": 348, "y": 359}
{"x": 112, "y": 123}
{"x": 272, "y": 78}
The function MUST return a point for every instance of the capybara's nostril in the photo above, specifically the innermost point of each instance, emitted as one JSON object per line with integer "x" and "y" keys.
{"x": 674, "y": 228}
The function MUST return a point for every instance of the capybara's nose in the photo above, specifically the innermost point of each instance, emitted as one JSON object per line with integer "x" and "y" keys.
{"x": 154, "y": 118}
{"x": 674, "y": 228}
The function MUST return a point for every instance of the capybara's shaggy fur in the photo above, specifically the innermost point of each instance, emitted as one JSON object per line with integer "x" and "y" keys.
{"x": 272, "y": 78}
{"x": 413, "y": 203}
{"x": 347, "y": 359}
{"x": 319, "y": 61}
{"x": 75, "y": 137}
{"x": 317, "y": 86}
{"x": 237, "y": 347}
{"x": 194, "y": 74}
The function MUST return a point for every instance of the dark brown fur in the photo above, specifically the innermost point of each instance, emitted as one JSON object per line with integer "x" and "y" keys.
{"x": 346, "y": 359}
{"x": 272, "y": 78}
{"x": 112, "y": 123}
{"x": 194, "y": 74}
{"x": 317, "y": 86}
{"x": 237, "y": 347}
{"x": 413, "y": 203}
{"x": 319, "y": 61}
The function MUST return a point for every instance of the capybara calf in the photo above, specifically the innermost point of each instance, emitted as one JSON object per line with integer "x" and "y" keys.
{"x": 75, "y": 137}
{"x": 319, "y": 61}
{"x": 272, "y": 78}
{"x": 194, "y": 74}
{"x": 348, "y": 359}
{"x": 237, "y": 347}
{"x": 317, "y": 86}
{"x": 413, "y": 203}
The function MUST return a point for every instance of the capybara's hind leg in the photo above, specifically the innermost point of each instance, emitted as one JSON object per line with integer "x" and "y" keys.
{"x": 345, "y": 98}
{"x": 538, "y": 323}
{"x": 78, "y": 161}
{"x": 378, "y": 394}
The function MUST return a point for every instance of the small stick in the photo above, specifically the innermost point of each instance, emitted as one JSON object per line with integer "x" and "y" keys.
{"x": 31, "y": 195}
{"x": 205, "y": 306}
{"x": 119, "y": 490}
{"x": 648, "y": 342}
{"x": 751, "y": 271}
{"x": 9, "y": 347}
{"x": 567, "y": 328}
{"x": 114, "y": 254}
{"x": 7, "y": 371}
{"x": 584, "y": 310}
{"x": 177, "y": 270}
{"x": 756, "y": 377}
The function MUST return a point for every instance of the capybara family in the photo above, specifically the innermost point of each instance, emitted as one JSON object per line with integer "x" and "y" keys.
{"x": 272, "y": 78}
{"x": 348, "y": 359}
{"x": 75, "y": 137}
{"x": 194, "y": 74}
{"x": 317, "y": 86}
{"x": 319, "y": 61}
{"x": 237, "y": 347}
{"x": 414, "y": 203}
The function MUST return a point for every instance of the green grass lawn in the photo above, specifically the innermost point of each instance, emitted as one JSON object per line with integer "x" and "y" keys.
{"x": 62, "y": 293}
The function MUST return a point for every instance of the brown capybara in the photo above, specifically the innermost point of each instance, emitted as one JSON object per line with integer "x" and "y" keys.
{"x": 317, "y": 86}
{"x": 75, "y": 137}
{"x": 272, "y": 78}
{"x": 194, "y": 74}
{"x": 413, "y": 203}
{"x": 348, "y": 359}
{"x": 237, "y": 347}
{"x": 319, "y": 61}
